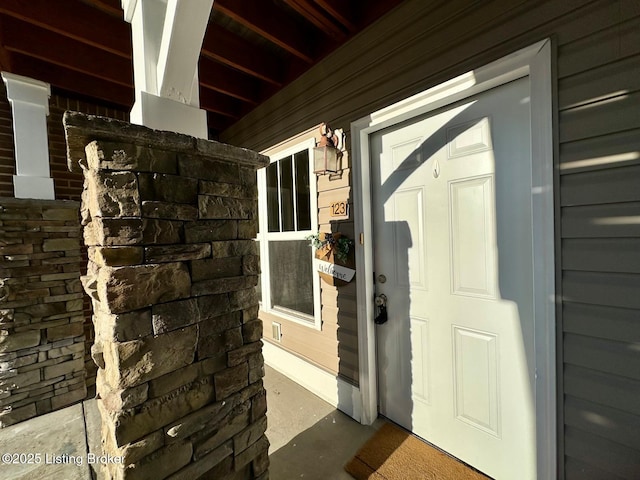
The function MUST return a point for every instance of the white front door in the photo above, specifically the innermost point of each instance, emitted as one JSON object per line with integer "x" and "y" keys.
{"x": 453, "y": 255}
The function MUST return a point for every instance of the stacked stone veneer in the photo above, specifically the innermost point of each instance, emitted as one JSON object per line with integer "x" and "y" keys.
{"x": 169, "y": 222}
{"x": 41, "y": 314}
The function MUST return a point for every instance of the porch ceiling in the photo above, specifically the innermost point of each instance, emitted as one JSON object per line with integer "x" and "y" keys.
{"x": 252, "y": 48}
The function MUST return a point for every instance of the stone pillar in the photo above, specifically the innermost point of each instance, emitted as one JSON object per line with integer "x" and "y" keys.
{"x": 41, "y": 314}
{"x": 170, "y": 220}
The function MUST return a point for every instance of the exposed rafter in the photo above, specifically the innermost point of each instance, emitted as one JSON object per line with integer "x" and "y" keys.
{"x": 225, "y": 80}
{"x": 36, "y": 42}
{"x": 5, "y": 56}
{"x": 85, "y": 85}
{"x": 222, "y": 104}
{"x": 317, "y": 17}
{"x": 112, "y": 7}
{"x": 269, "y": 23}
{"x": 75, "y": 20}
{"x": 341, "y": 11}
{"x": 234, "y": 51}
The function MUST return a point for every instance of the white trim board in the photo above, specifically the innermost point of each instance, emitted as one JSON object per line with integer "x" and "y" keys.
{"x": 332, "y": 389}
{"x": 535, "y": 62}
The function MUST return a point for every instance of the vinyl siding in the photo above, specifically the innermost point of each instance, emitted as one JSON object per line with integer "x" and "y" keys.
{"x": 599, "y": 113}
{"x": 597, "y": 105}
{"x": 339, "y": 317}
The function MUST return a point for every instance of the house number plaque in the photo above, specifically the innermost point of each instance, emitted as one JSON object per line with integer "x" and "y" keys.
{"x": 339, "y": 209}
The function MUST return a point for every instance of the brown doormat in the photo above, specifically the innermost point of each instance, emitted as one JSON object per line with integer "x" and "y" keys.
{"x": 393, "y": 454}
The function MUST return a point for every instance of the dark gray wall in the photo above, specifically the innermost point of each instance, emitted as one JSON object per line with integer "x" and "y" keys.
{"x": 422, "y": 43}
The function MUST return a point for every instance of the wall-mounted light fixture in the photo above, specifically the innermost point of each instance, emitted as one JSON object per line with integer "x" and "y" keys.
{"x": 327, "y": 156}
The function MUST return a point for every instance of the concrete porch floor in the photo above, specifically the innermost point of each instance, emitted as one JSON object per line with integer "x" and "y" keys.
{"x": 309, "y": 438}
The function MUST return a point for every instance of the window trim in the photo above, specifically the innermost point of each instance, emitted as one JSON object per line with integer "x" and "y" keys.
{"x": 264, "y": 236}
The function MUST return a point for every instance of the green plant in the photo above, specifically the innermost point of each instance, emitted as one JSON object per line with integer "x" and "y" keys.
{"x": 336, "y": 242}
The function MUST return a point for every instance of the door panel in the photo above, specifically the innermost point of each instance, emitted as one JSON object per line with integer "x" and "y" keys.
{"x": 453, "y": 235}
{"x": 420, "y": 362}
{"x": 476, "y": 378}
{"x": 471, "y": 216}
{"x": 409, "y": 210}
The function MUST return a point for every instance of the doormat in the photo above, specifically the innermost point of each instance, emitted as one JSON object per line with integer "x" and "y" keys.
{"x": 393, "y": 454}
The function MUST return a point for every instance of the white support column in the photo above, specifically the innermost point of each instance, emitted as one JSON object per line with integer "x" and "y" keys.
{"x": 29, "y": 101}
{"x": 167, "y": 39}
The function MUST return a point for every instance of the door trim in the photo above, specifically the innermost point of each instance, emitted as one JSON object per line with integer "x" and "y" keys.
{"x": 534, "y": 62}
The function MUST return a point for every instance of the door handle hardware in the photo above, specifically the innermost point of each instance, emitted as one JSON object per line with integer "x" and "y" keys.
{"x": 381, "y": 303}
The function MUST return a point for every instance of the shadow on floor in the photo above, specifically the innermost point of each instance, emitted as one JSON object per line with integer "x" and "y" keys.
{"x": 309, "y": 438}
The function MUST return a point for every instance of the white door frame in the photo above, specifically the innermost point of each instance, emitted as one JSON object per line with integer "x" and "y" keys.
{"x": 535, "y": 62}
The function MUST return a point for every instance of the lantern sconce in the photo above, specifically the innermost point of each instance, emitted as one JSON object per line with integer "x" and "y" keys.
{"x": 327, "y": 156}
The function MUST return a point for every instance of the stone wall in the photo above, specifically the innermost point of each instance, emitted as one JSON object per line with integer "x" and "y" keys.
{"x": 169, "y": 221}
{"x": 41, "y": 308}
{"x": 67, "y": 185}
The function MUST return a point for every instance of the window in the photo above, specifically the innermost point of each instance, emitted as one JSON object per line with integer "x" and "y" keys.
{"x": 287, "y": 200}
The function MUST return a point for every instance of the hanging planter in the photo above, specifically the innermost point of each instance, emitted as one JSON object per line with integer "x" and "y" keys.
{"x": 334, "y": 257}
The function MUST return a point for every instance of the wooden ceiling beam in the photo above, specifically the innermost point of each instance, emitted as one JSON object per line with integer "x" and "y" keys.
{"x": 375, "y": 9}
{"x": 317, "y": 18}
{"x": 75, "y": 20}
{"x": 112, "y": 7}
{"x": 220, "y": 103}
{"x": 5, "y": 56}
{"x": 218, "y": 122}
{"x": 271, "y": 24}
{"x": 79, "y": 83}
{"x": 45, "y": 45}
{"x": 340, "y": 10}
{"x": 218, "y": 77}
{"x": 232, "y": 50}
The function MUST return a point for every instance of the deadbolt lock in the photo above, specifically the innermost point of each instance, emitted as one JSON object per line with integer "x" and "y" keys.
{"x": 381, "y": 303}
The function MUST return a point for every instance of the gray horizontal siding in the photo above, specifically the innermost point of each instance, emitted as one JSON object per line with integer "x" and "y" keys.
{"x": 620, "y": 255}
{"x": 621, "y": 462}
{"x": 608, "y": 41}
{"x": 615, "y": 185}
{"x": 613, "y": 391}
{"x": 421, "y": 44}
{"x": 606, "y": 422}
{"x": 601, "y": 221}
{"x": 601, "y": 153}
{"x": 609, "y": 289}
{"x": 618, "y": 113}
{"x": 599, "y": 135}
{"x": 602, "y": 355}
{"x": 575, "y": 469}
{"x": 587, "y": 87}
{"x": 605, "y": 322}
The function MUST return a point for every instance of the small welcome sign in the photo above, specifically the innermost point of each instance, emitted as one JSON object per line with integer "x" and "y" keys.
{"x": 337, "y": 272}
{"x": 334, "y": 258}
